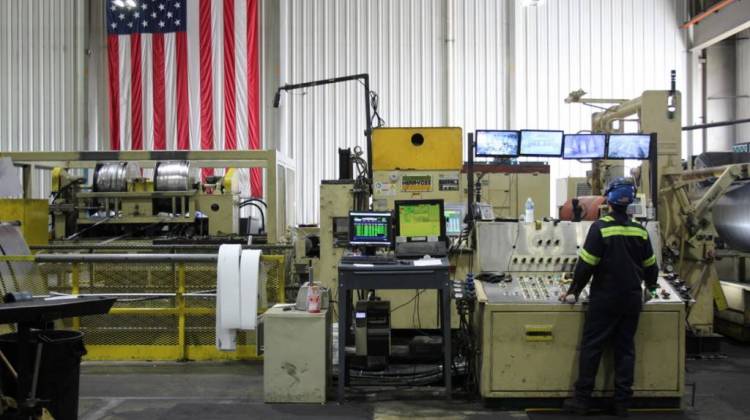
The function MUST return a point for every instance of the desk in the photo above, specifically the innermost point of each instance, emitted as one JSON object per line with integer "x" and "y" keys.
{"x": 403, "y": 275}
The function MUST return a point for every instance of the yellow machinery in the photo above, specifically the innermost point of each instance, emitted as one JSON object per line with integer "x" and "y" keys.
{"x": 506, "y": 187}
{"x": 529, "y": 341}
{"x": 121, "y": 199}
{"x": 700, "y": 216}
{"x": 336, "y": 201}
{"x": 31, "y": 214}
{"x": 166, "y": 299}
{"x": 427, "y": 163}
{"x": 166, "y": 308}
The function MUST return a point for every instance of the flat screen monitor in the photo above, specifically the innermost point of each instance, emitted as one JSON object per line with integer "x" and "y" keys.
{"x": 584, "y": 146}
{"x": 420, "y": 220}
{"x": 454, "y": 219}
{"x": 542, "y": 143}
{"x": 629, "y": 146}
{"x": 370, "y": 228}
{"x": 496, "y": 143}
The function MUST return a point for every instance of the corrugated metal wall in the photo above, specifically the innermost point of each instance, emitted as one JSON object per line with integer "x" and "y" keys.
{"x": 399, "y": 43}
{"x": 468, "y": 63}
{"x": 432, "y": 63}
{"x": 479, "y": 76}
{"x": 41, "y": 77}
{"x": 609, "y": 48}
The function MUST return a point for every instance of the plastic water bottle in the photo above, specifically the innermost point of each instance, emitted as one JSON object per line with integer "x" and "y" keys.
{"x": 650, "y": 213}
{"x": 529, "y": 217}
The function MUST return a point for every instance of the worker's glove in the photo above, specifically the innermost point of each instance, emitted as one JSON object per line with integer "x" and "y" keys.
{"x": 648, "y": 294}
{"x": 566, "y": 297}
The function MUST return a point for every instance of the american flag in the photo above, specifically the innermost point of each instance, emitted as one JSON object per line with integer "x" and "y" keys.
{"x": 184, "y": 74}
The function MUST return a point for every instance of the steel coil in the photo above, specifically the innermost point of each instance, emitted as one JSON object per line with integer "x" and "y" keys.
{"x": 732, "y": 217}
{"x": 172, "y": 176}
{"x": 114, "y": 176}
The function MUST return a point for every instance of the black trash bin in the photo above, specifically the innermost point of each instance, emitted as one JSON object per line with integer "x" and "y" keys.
{"x": 59, "y": 372}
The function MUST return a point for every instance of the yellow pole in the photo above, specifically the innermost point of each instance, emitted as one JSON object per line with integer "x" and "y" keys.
{"x": 75, "y": 289}
{"x": 181, "y": 310}
{"x": 282, "y": 280}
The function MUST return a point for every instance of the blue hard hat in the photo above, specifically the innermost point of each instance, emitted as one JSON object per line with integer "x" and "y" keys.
{"x": 621, "y": 191}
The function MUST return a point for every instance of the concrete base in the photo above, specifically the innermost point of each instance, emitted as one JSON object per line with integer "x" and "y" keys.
{"x": 233, "y": 390}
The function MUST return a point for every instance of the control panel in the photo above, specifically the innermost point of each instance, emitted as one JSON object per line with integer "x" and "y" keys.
{"x": 546, "y": 263}
{"x": 545, "y": 288}
{"x": 545, "y": 247}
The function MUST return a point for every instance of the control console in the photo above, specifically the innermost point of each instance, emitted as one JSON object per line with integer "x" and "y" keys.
{"x": 545, "y": 287}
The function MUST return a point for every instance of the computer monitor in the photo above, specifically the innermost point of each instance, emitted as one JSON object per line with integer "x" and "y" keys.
{"x": 496, "y": 143}
{"x": 420, "y": 228}
{"x": 584, "y": 146}
{"x": 541, "y": 143}
{"x": 420, "y": 220}
{"x": 368, "y": 228}
{"x": 629, "y": 146}
{"x": 454, "y": 219}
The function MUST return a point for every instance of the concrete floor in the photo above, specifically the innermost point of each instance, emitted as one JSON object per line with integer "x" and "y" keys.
{"x": 235, "y": 390}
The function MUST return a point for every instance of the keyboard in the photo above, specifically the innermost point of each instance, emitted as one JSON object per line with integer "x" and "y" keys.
{"x": 420, "y": 249}
{"x": 368, "y": 259}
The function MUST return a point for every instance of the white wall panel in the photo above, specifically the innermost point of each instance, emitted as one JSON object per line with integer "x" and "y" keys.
{"x": 399, "y": 43}
{"x": 467, "y": 63}
{"x": 480, "y": 68}
{"x": 609, "y": 48}
{"x": 41, "y": 77}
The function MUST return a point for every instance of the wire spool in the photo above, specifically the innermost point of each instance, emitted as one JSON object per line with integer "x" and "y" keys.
{"x": 732, "y": 217}
{"x": 114, "y": 176}
{"x": 172, "y": 176}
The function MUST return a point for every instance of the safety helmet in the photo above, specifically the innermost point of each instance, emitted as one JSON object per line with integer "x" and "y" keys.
{"x": 621, "y": 191}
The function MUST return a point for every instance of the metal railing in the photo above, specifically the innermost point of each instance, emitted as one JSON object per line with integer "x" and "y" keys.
{"x": 166, "y": 302}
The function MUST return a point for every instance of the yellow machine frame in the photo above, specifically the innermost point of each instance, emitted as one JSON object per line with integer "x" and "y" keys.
{"x": 269, "y": 160}
{"x": 182, "y": 349}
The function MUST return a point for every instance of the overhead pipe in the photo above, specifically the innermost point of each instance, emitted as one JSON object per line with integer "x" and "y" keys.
{"x": 708, "y": 12}
{"x": 715, "y": 124}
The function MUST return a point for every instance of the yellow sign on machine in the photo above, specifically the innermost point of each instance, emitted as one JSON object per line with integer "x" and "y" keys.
{"x": 416, "y": 148}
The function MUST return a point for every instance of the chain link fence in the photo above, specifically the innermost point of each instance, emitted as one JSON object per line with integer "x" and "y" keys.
{"x": 165, "y": 310}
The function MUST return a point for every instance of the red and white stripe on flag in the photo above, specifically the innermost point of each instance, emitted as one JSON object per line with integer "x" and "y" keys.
{"x": 184, "y": 75}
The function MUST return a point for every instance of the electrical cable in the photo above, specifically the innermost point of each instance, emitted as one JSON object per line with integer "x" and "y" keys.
{"x": 262, "y": 217}
{"x": 77, "y": 234}
{"x": 251, "y": 199}
{"x": 408, "y": 301}
{"x": 374, "y": 102}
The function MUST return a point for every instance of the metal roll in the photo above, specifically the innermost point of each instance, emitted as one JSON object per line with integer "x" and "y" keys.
{"x": 114, "y": 176}
{"x": 732, "y": 217}
{"x": 172, "y": 176}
